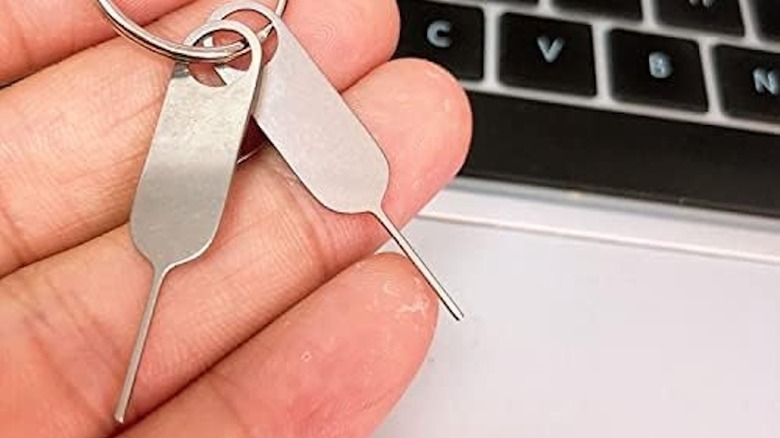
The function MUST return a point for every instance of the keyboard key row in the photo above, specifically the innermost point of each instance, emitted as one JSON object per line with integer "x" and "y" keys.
{"x": 520, "y": 140}
{"x": 631, "y": 9}
{"x": 718, "y": 16}
{"x": 722, "y": 16}
{"x": 558, "y": 56}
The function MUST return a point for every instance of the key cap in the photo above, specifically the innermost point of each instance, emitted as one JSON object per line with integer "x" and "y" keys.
{"x": 655, "y": 70}
{"x": 723, "y": 16}
{"x": 325, "y": 145}
{"x": 449, "y": 35}
{"x": 547, "y": 54}
{"x": 767, "y": 14}
{"x": 631, "y": 9}
{"x": 184, "y": 185}
{"x": 749, "y": 83}
{"x": 621, "y": 154}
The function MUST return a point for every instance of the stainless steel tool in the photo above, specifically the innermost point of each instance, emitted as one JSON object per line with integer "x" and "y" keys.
{"x": 185, "y": 182}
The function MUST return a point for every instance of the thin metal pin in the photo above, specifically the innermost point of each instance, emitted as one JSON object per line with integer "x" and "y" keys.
{"x": 445, "y": 298}
{"x": 138, "y": 350}
{"x": 182, "y": 192}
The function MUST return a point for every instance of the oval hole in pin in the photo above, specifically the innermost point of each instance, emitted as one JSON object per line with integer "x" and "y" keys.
{"x": 257, "y": 22}
{"x": 205, "y": 72}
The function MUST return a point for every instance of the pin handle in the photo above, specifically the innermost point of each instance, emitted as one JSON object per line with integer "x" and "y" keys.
{"x": 445, "y": 298}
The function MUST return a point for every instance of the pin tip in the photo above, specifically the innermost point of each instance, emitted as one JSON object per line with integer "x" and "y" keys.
{"x": 458, "y": 316}
{"x": 454, "y": 311}
{"x": 119, "y": 417}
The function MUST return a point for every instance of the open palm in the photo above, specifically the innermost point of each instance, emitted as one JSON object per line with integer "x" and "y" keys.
{"x": 285, "y": 328}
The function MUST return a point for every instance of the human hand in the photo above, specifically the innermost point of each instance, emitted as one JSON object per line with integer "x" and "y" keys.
{"x": 288, "y": 327}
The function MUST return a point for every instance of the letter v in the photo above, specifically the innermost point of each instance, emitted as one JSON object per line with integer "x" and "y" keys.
{"x": 551, "y": 50}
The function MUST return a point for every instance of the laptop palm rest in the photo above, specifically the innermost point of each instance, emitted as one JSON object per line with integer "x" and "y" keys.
{"x": 567, "y": 338}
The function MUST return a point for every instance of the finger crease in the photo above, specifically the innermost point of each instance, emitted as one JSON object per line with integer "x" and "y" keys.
{"x": 40, "y": 330}
{"x": 321, "y": 242}
{"x": 216, "y": 383}
{"x": 12, "y": 237}
{"x": 84, "y": 331}
{"x": 18, "y": 38}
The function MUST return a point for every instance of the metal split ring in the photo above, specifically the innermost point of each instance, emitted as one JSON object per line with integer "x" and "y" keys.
{"x": 180, "y": 52}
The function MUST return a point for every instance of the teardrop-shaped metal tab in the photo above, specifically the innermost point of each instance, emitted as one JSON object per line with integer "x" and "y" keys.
{"x": 185, "y": 183}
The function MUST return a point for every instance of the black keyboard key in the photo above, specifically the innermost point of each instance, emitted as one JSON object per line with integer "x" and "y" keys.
{"x": 650, "y": 69}
{"x": 722, "y": 16}
{"x": 547, "y": 54}
{"x": 749, "y": 83}
{"x": 518, "y": 140}
{"x": 615, "y": 8}
{"x": 767, "y": 14}
{"x": 452, "y": 36}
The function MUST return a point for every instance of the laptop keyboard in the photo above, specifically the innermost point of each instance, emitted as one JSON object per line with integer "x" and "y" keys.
{"x": 671, "y": 100}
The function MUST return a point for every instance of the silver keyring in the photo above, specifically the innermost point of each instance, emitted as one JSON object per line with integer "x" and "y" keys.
{"x": 179, "y": 52}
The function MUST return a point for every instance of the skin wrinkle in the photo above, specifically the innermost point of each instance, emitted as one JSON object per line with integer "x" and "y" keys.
{"x": 40, "y": 326}
{"x": 232, "y": 394}
{"x": 320, "y": 245}
{"x": 308, "y": 238}
{"x": 12, "y": 235}
{"x": 103, "y": 127}
{"x": 306, "y": 213}
{"x": 15, "y": 247}
{"x": 215, "y": 386}
{"x": 319, "y": 410}
{"x": 17, "y": 38}
{"x": 34, "y": 330}
{"x": 82, "y": 328}
{"x": 24, "y": 256}
{"x": 78, "y": 25}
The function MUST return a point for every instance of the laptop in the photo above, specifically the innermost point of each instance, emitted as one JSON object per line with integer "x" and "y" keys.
{"x": 614, "y": 237}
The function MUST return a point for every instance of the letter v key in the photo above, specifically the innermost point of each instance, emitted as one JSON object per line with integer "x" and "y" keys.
{"x": 550, "y": 49}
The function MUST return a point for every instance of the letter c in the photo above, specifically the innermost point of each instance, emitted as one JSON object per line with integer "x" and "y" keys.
{"x": 438, "y": 34}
